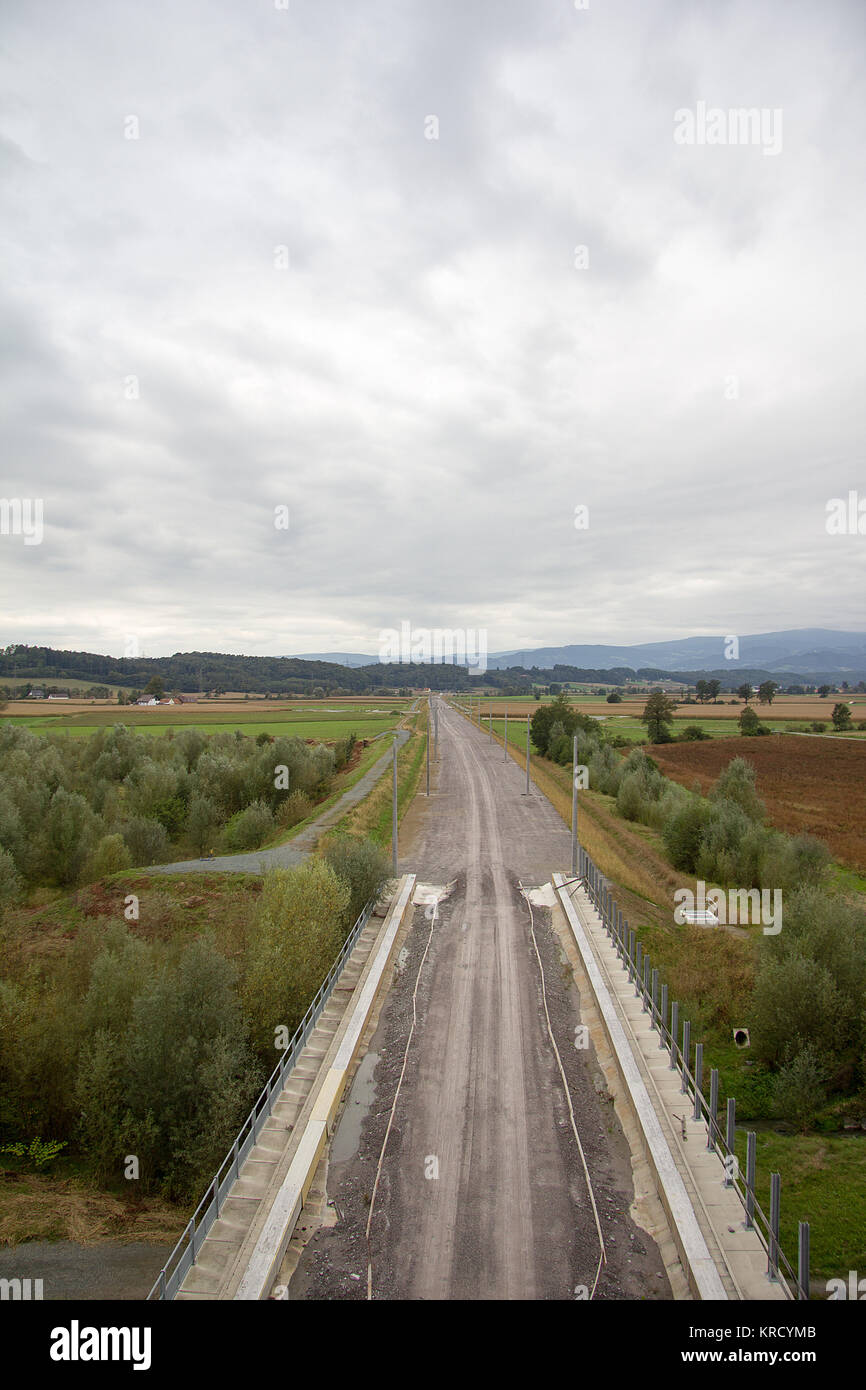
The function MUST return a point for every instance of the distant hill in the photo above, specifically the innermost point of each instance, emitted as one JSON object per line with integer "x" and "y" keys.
{"x": 813, "y": 653}
{"x": 809, "y": 656}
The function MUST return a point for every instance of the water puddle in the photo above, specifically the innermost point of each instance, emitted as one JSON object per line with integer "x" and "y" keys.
{"x": 345, "y": 1143}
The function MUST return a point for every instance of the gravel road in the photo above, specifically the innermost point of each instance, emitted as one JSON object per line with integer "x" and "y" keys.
{"x": 482, "y": 1192}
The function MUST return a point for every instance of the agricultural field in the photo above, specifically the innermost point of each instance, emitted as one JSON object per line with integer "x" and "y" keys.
{"x": 719, "y": 721}
{"x": 808, "y": 784}
{"x": 323, "y": 720}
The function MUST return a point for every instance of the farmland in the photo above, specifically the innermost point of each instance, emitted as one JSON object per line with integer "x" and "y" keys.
{"x": 323, "y": 720}
{"x": 808, "y": 784}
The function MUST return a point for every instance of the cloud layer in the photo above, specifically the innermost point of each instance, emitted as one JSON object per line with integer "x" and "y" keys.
{"x": 328, "y": 258}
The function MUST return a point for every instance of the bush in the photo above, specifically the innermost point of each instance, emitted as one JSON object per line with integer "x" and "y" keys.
{"x": 795, "y": 1001}
{"x": 202, "y": 819}
{"x": 146, "y": 840}
{"x": 693, "y": 733}
{"x": 363, "y": 866}
{"x": 630, "y": 802}
{"x": 737, "y": 784}
{"x": 111, "y": 856}
{"x": 818, "y": 727}
{"x": 683, "y": 834}
{"x": 247, "y": 829}
{"x": 293, "y": 808}
{"x": 295, "y": 940}
{"x": 799, "y": 1092}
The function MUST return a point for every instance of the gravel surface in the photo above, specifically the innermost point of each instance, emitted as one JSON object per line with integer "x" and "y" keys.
{"x": 482, "y": 1193}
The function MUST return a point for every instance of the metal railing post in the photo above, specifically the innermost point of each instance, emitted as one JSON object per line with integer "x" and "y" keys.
{"x": 699, "y": 1078}
{"x": 638, "y": 968}
{"x": 714, "y": 1108}
{"x": 655, "y": 997}
{"x": 803, "y": 1282}
{"x": 663, "y": 1016}
{"x": 646, "y": 984}
{"x": 687, "y": 1055}
{"x": 631, "y": 956}
{"x": 775, "y": 1213}
{"x": 730, "y": 1134}
{"x": 751, "y": 1167}
{"x": 675, "y": 1032}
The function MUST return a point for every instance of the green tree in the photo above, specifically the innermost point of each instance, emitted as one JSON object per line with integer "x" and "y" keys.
{"x": 70, "y": 832}
{"x": 841, "y": 717}
{"x": 295, "y": 939}
{"x": 745, "y": 692}
{"x": 202, "y": 819}
{"x": 799, "y": 1091}
{"x": 363, "y": 866}
{"x": 737, "y": 783}
{"x": 748, "y": 721}
{"x": 767, "y": 691}
{"x": 155, "y": 687}
{"x": 658, "y": 716}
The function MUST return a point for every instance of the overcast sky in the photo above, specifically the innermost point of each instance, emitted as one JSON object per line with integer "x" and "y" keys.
{"x": 338, "y": 272}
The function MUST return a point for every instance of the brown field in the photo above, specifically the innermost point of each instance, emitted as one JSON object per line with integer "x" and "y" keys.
{"x": 807, "y": 784}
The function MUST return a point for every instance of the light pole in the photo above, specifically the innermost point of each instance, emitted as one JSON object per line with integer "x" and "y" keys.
{"x": 574, "y": 811}
{"x": 394, "y": 813}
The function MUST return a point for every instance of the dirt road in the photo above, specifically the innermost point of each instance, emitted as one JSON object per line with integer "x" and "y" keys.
{"x": 481, "y": 1191}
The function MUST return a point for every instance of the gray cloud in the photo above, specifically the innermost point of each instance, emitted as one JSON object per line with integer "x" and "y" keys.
{"x": 431, "y": 385}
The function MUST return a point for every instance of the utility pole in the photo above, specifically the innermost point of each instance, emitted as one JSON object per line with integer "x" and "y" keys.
{"x": 506, "y": 731}
{"x": 526, "y": 793}
{"x": 491, "y": 722}
{"x": 429, "y": 712}
{"x": 574, "y": 811}
{"x": 394, "y": 811}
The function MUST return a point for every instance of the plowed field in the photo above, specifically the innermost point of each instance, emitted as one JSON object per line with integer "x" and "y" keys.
{"x": 808, "y": 784}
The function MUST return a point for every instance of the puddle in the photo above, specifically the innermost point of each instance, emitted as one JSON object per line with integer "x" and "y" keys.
{"x": 344, "y": 1145}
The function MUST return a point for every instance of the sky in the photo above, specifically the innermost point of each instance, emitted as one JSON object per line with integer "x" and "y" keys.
{"x": 318, "y": 318}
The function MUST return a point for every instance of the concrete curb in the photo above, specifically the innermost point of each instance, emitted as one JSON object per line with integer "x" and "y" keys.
{"x": 264, "y": 1264}
{"x": 699, "y": 1266}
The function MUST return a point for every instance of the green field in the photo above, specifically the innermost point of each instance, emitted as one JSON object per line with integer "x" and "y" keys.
{"x": 324, "y": 725}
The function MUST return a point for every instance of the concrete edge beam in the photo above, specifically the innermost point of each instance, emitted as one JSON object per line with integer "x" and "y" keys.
{"x": 696, "y": 1259}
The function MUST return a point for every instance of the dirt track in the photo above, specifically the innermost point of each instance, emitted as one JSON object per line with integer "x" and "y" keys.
{"x": 482, "y": 1101}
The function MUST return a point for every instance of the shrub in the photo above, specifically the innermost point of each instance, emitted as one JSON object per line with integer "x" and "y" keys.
{"x": 248, "y": 828}
{"x": 799, "y": 1092}
{"x": 296, "y": 936}
{"x": 818, "y": 727}
{"x": 683, "y": 834}
{"x": 363, "y": 866}
{"x": 202, "y": 818}
{"x": 737, "y": 784}
{"x": 693, "y": 733}
{"x": 111, "y": 856}
{"x": 795, "y": 1001}
{"x": 146, "y": 840}
{"x": 293, "y": 808}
